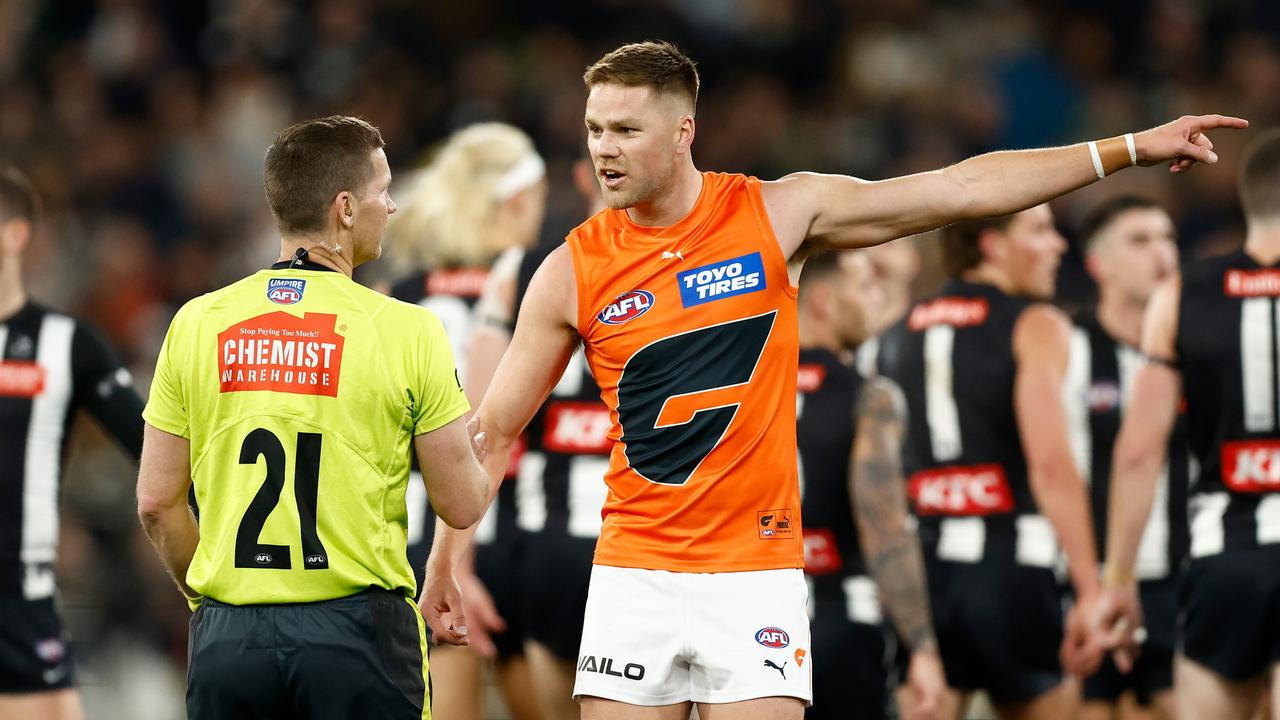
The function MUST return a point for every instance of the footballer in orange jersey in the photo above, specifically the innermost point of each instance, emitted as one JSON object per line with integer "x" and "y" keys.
{"x": 682, "y": 292}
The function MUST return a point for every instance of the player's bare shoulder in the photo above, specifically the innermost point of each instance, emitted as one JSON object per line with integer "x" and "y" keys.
{"x": 552, "y": 297}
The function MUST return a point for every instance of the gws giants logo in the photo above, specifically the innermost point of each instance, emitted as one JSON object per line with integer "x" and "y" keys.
{"x": 772, "y": 637}
{"x": 285, "y": 291}
{"x": 627, "y": 306}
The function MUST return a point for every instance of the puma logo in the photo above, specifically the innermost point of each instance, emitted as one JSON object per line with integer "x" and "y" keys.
{"x": 781, "y": 670}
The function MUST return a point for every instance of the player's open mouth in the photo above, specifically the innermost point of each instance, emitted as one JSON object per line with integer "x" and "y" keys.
{"x": 612, "y": 178}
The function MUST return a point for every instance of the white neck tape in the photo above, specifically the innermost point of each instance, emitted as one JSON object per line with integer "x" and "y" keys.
{"x": 522, "y": 175}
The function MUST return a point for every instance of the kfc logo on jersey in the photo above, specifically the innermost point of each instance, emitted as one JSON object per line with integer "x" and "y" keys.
{"x": 727, "y": 278}
{"x": 282, "y": 353}
{"x": 821, "y": 554}
{"x": 1251, "y": 283}
{"x": 772, "y": 637}
{"x": 577, "y": 427}
{"x": 1251, "y": 466}
{"x": 969, "y": 490}
{"x": 809, "y": 377}
{"x": 285, "y": 291}
{"x": 626, "y": 307}
{"x": 456, "y": 283}
{"x": 20, "y": 379}
{"x": 954, "y": 311}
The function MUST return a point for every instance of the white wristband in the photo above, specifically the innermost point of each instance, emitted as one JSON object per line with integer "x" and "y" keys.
{"x": 1097, "y": 159}
{"x": 1133, "y": 150}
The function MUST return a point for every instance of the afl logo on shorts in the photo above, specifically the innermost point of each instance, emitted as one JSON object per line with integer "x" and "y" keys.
{"x": 627, "y": 306}
{"x": 283, "y": 291}
{"x": 772, "y": 637}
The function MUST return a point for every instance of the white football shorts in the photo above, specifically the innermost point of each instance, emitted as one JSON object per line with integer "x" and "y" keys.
{"x": 653, "y": 637}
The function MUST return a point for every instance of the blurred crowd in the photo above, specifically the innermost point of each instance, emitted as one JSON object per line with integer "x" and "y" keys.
{"x": 144, "y": 123}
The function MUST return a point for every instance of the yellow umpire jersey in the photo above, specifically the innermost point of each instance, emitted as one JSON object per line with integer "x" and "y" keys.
{"x": 300, "y": 392}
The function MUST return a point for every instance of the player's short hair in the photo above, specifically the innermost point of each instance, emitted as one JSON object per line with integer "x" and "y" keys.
{"x": 656, "y": 64}
{"x": 18, "y": 199}
{"x": 818, "y": 268}
{"x": 1101, "y": 216}
{"x": 961, "y": 250}
{"x": 311, "y": 162}
{"x": 1260, "y": 177}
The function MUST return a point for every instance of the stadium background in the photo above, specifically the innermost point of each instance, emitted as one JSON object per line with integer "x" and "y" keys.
{"x": 143, "y": 125}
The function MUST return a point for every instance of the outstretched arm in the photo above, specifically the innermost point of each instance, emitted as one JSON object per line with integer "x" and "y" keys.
{"x": 841, "y": 211}
{"x": 1141, "y": 451}
{"x": 544, "y": 340}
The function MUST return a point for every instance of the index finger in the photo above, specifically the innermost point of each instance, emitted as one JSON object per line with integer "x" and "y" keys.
{"x": 1208, "y": 122}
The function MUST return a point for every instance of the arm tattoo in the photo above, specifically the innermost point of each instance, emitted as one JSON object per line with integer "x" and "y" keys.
{"x": 889, "y": 543}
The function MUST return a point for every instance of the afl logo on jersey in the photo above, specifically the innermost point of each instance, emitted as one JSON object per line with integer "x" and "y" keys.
{"x": 626, "y": 307}
{"x": 284, "y": 291}
{"x": 772, "y": 637}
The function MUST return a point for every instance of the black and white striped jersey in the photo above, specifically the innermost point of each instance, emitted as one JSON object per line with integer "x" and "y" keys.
{"x": 452, "y": 295}
{"x": 967, "y": 476}
{"x": 50, "y": 365}
{"x": 1100, "y": 378}
{"x": 561, "y": 480}
{"x": 826, "y": 391}
{"x": 1226, "y": 345}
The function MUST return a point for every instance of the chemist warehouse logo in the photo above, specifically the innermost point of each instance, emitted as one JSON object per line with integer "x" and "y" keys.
{"x": 736, "y": 276}
{"x": 282, "y": 353}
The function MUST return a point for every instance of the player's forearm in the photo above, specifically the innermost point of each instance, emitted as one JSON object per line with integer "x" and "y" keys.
{"x": 890, "y": 547}
{"x": 174, "y": 534}
{"x": 1134, "y": 473}
{"x": 1061, "y": 497}
{"x": 1000, "y": 183}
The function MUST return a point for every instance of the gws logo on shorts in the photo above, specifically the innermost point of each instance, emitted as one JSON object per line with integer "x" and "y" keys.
{"x": 727, "y": 278}
{"x": 627, "y": 306}
{"x": 772, "y": 637}
{"x": 285, "y": 291}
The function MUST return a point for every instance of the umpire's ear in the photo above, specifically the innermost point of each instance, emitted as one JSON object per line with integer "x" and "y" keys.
{"x": 343, "y": 209}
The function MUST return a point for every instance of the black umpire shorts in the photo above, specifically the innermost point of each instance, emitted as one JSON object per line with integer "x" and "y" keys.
{"x": 34, "y": 654}
{"x": 557, "y": 574}
{"x": 361, "y": 656}
{"x": 999, "y": 627}
{"x": 1153, "y": 670}
{"x": 1229, "y": 612}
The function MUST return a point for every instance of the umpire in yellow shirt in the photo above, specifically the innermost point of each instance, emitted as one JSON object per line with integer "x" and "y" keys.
{"x": 290, "y": 399}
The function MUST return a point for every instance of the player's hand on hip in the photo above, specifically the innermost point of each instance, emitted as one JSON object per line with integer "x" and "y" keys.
{"x": 441, "y": 605}
{"x": 1117, "y": 622}
{"x": 1183, "y": 142}
{"x": 482, "y": 614}
{"x": 927, "y": 684}
{"x": 479, "y": 440}
{"x": 1082, "y": 650}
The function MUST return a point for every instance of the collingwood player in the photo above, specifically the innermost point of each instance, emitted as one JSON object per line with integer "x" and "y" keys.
{"x": 290, "y": 399}
{"x": 50, "y": 365}
{"x": 989, "y": 469}
{"x": 1130, "y": 248}
{"x": 467, "y": 215}
{"x": 838, "y": 299}
{"x": 1210, "y": 335}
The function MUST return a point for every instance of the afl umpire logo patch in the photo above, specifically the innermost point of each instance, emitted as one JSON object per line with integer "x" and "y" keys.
{"x": 285, "y": 291}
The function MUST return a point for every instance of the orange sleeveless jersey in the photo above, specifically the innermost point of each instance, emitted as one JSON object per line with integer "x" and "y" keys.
{"x": 690, "y": 331}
